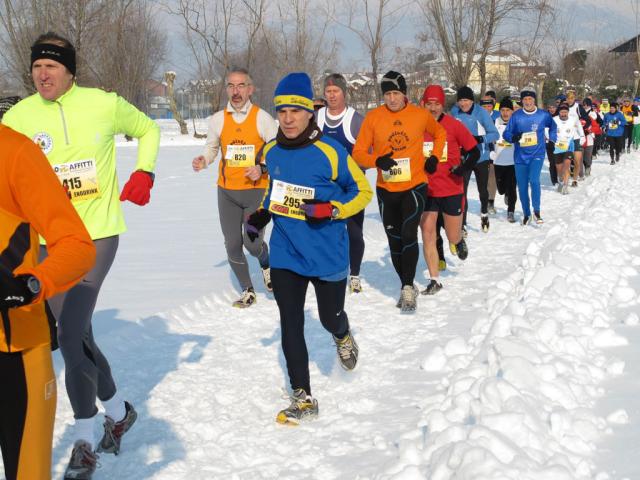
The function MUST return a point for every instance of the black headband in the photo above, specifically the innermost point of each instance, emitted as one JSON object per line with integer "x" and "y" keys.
{"x": 65, "y": 56}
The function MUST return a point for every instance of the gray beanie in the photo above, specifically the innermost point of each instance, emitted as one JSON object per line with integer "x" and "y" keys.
{"x": 337, "y": 80}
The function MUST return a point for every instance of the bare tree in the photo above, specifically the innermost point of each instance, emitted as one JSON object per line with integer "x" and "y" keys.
{"x": 118, "y": 44}
{"x": 494, "y": 12}
{"x": 371, "y": 21}
{"x": 457, "y": 28}
{"x": 170, "y": 78}
{"x": 129, "y": 26}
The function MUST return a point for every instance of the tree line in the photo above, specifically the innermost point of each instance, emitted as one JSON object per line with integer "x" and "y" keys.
{"x": 121, "y": 44}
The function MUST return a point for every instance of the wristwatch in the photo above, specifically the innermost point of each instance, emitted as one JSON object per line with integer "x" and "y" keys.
{"x": 263, "y": 168}
{"x": 335, "y": 212}
{"x": 34, "y": 286}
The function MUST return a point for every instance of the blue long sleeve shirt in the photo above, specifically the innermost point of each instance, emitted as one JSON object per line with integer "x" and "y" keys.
{"x": 614, "y": 124}
{"x": 531, "y": 128}
{"x": 479, "y": 123}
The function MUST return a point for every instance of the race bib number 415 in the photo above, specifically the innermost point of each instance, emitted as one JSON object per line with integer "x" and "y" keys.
{"x": 79, "y": 179}
{"x": 399, "y": 173}
{"x": 241, "y": 155}
{"x": 286, "y": 199}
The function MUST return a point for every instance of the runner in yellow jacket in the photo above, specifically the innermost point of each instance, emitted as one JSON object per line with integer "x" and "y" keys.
{"x": 75, "y": 128}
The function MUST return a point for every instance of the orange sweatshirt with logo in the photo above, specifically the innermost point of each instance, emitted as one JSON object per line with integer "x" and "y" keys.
{"x": 402, "y": 134}
{"x": 33, "y": 202}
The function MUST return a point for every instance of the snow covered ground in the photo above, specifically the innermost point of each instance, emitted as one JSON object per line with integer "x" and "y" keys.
{"x": 525, "y": 366}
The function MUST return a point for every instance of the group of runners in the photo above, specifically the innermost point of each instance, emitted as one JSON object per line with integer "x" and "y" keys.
{"x": 305, "y": 173}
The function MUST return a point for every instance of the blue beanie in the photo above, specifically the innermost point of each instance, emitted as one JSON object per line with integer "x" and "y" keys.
{"x": 294, "y": 90}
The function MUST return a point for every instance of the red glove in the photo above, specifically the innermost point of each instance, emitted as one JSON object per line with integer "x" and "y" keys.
{"x": 138, "y": 188}
{"x": 317, "y": 210}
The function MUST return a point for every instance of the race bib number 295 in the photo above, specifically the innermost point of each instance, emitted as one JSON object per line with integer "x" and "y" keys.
{"x": 286, "y": 199}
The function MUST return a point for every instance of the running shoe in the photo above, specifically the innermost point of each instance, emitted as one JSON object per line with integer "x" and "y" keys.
{"x": 538, "y": 218}
{"x": 511, "y": 218}
{"x": 113, "y": 431}
{"x": 491, "y": 209}
{"x": 560, "y": 187}
{"x": 574, "y": 183}
{"x": 82, "y": 463}
{"x": 408, "y": 298}
{"x": 354, "y": 284}
{"x": 484, "y": 223}
{"x": 442, "y": 264}
{"x": 266, "y": 276}
{"x": 433, "y": 288}
{"x": 303, "y": 407}
{"x": 460, "y": 249}
{"x": 399, "y": 302}
{"x": 247, "y": 298}
{"x": 525, "y": 220}
{"x": 347, "y": 351}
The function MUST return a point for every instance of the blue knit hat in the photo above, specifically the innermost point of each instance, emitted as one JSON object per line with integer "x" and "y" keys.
{"x": 294, "y": 90}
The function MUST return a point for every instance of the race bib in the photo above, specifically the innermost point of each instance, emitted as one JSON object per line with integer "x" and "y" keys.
{"x": 286, "y": 199}
{"x": 399, "y": 173}
{"x": 427, "y": 148}
{"x": 79, "y": 179}
{"x": 241, "y": 155}
{"x": 562, "y": 145}
{"x": 529, "y": 139}
{"x": 613, "y": 125}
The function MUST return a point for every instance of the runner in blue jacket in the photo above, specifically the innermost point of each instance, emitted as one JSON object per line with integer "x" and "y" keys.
{"x": 314, "y": 186}
{"x": 614, "y": 123}
{"x": 526, "y": 130}
{"x": 482, "y": 127}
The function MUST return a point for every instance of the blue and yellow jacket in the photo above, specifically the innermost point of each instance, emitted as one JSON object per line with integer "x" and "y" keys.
{"x": 324, "y": 171}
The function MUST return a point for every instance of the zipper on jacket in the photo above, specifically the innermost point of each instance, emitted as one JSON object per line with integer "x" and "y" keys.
{"x": 64, "y": 124}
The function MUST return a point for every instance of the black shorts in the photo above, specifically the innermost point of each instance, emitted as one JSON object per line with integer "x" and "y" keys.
{"x": 558, "y": 158}
{"x": 577, "y": 146}
{"x": 452, "y": 205}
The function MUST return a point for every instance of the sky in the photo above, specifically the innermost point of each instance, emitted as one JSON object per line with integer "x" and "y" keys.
{"x": 596, "y": 23}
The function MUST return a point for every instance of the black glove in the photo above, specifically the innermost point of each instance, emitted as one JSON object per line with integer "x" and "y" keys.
{"x": 256, "y": 222}
{"x": 479, "y": 138}
{"x": 385, "y": 162}
{"x": 457, "y": 170}
{"x": 515, "y": 138}
{"x": 552, "y": 144}
{"x": 14, "y": 291}
{"x": 431, "y": 164}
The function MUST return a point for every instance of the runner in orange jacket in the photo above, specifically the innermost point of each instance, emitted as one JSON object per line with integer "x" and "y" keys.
{"x": 32, "y": 202}
{"x": 391, "y": 139}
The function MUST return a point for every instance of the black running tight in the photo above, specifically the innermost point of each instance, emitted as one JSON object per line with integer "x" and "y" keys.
{"x": 401, "y": 213}
{"x": 290, "y": 291}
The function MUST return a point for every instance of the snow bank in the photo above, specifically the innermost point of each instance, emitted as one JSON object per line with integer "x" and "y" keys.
{"x": 518, "y": 398}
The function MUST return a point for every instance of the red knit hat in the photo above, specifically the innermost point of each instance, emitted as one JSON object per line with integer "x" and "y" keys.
{"x": 435, "y": 93}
